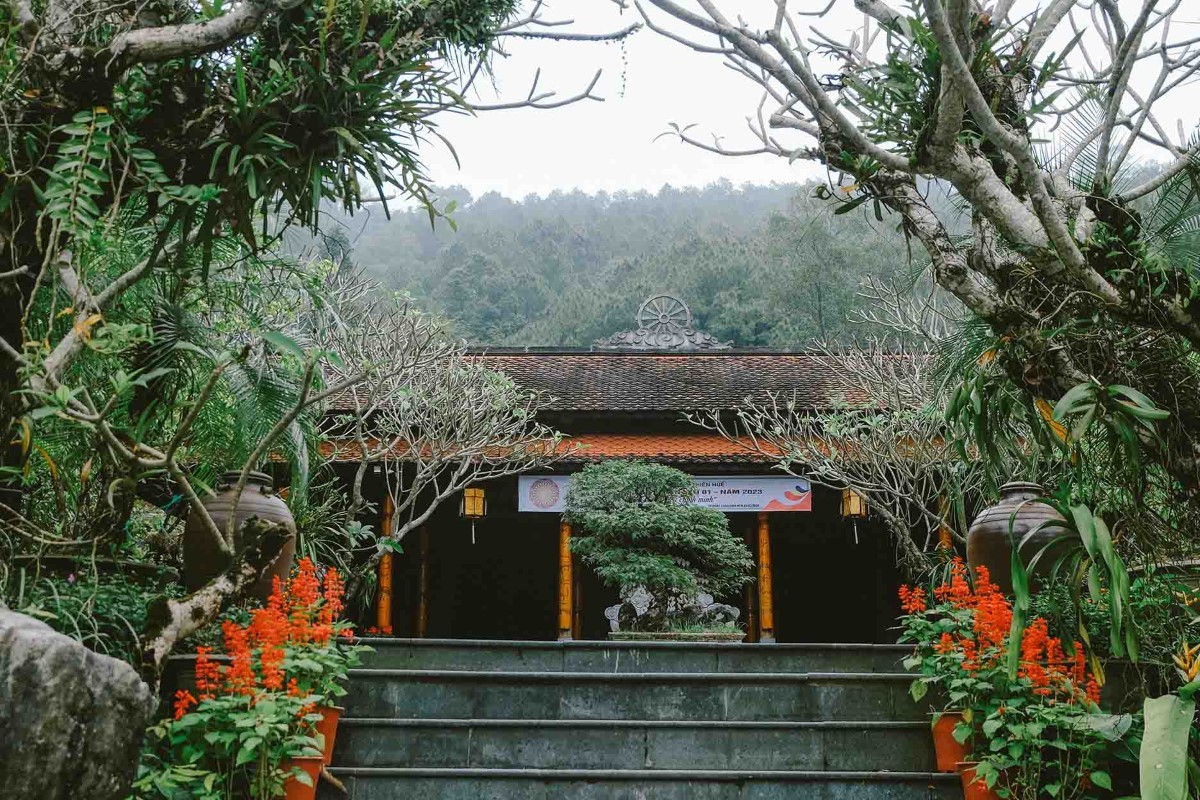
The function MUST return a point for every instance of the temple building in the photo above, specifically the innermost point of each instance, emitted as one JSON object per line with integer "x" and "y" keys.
{"x": 821, "y": 576}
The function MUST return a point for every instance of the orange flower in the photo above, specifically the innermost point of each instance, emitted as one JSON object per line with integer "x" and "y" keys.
{"x": 959, "y": 592}
{"x": 334, "y": 591}
{"x": 970, "y": 656}
{"x": 300, "y": 631}
{"x": 912, "y": 599}
{"x": 293, "y": 688}
{"x": 183, "y": 701}
{"x": 305, "y": 588}
{"x": 208, "y": 673}
{"x": 1080, "y": 664}
{"x": 271, "y": 659}
{"x": 240, "y": 678}
{"x": 1093, "y": 691}
{"x": 945, "y": 645}
{"x": 1033, "y": 646}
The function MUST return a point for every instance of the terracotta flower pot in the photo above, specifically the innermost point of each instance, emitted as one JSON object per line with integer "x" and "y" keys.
{"x": 293, "y": 789}
{"x": 949, "y": 751}
{"x": 973, "y": 788}
{"x": 327, "y": 728}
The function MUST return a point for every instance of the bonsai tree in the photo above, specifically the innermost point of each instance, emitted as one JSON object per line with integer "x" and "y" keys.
{"x": 638, "y": 529}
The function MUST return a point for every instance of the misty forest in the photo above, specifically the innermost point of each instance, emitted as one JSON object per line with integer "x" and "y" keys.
{"x": 761, "y": 266}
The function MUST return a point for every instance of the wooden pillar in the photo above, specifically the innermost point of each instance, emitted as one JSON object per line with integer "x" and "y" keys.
{"x": 383, "y": 600}
{"x": 750, "y": 592}
{"x": 945, "y": 537}
{"x": 423, "y": 584}
{"x": 766, "y": 596}
{"x": 566, "y": 583}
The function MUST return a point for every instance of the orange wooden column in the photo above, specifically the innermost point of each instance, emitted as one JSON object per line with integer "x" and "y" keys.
{"x": 383, "y": 600}
{"x": 945, "y": 537}
{"x": 423, "y": 585}
{"x": 566, "y": 583}
{"x": 766, "y": 597}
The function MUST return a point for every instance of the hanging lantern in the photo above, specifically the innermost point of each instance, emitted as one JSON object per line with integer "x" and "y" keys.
{"x": 473, "y": 506}
{"x": 854, "y": 508}
{"x": 854, "y": 505}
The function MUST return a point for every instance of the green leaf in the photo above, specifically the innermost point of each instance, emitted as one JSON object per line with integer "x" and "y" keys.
{"x": 918, "y": 690}
{"x": 1163, "y": 756}
{"x": 1074, "y": 400}
{"x": 283, "y": 344}
{"x": 1102, "y": 779}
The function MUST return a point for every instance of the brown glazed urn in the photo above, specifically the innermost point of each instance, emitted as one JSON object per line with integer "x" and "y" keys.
{"x": 998, "y": 528}
{"x": 202, "y": 557}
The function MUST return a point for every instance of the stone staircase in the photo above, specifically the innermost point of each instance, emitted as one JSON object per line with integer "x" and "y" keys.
{"x": 500, "y": 720}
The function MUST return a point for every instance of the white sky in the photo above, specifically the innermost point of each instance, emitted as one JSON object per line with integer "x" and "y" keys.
{"x": 610, "y": 145}
{"x": 648, "y": 82}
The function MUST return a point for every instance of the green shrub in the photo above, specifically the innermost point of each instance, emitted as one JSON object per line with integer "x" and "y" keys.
{"x": 637, "y": 527}
{"x": 106, "y": 613}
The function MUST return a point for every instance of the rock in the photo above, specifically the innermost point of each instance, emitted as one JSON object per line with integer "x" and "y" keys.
{"x": 72, "y": 720}
{"x": 641, "y": 611}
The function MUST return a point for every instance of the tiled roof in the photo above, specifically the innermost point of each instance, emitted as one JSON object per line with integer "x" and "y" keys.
{"x": 668, "y": 447}
{"x": 639, "y": 381}
{"x": 664, "y": 447}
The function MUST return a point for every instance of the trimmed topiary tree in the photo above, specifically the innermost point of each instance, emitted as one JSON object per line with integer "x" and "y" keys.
{"x": 637, "y": 528}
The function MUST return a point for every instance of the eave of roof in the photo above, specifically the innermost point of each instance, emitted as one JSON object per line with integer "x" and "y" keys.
{"x": 680, "y": 448}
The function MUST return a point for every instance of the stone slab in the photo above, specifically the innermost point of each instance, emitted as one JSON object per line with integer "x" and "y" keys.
{"x": 579, "y": 744}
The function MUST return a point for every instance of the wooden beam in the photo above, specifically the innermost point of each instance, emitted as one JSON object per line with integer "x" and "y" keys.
{"x": 423, "y": 584}
{"x": 383, "y": 599}
{"x": 566, "y": 583}
{"x": 766, "y": 595}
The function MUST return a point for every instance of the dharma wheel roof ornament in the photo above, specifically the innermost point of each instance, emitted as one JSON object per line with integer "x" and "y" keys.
{"x": 664, "y": 323}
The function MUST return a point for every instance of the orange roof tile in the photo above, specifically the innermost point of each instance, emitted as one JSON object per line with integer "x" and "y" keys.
{"x": 670, "y": 447}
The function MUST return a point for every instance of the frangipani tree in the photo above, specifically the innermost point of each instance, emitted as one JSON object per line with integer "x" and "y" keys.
{"x": 432, "y": 431}
{"x": 1080, "y": 266}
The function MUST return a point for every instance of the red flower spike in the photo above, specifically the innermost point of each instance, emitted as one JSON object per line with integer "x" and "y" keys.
{"x": 183, "y": 701}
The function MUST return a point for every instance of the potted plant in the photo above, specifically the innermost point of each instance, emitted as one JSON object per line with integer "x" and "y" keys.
{"x": 1026, "y": 718}
{"x": 668, "y": 558}
{"x": 244, "y": 735}
{"x": 957, "y": 643}
{"x": 317, "y": 652}
{"x": 259, "y": 721}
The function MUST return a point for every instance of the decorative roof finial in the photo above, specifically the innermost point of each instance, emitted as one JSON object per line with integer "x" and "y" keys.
{"x": 664, "y": 323}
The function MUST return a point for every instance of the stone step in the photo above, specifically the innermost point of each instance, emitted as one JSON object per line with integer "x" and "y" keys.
{"x": 464, "y": 694}
{"x": 513, "y": 656}
{"x": 364, "y": 783}
{"x": 635, "y": 744}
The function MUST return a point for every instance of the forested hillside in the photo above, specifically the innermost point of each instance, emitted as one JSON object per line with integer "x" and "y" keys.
{"x": 759, "y": 265}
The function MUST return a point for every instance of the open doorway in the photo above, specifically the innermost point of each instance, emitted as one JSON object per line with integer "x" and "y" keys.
{"x": 502, "y": 585}
{"x": 828, "y": 586}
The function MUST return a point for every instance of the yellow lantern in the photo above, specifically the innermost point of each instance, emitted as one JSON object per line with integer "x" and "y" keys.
{"x": 854, "y": 508}
{"x": 473, "y": 506}
{"x": 854, "y": 505}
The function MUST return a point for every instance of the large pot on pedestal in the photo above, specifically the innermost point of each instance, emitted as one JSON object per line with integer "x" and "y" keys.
{"x": 202, "y": 556}
{"x": 999, "y": 528}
